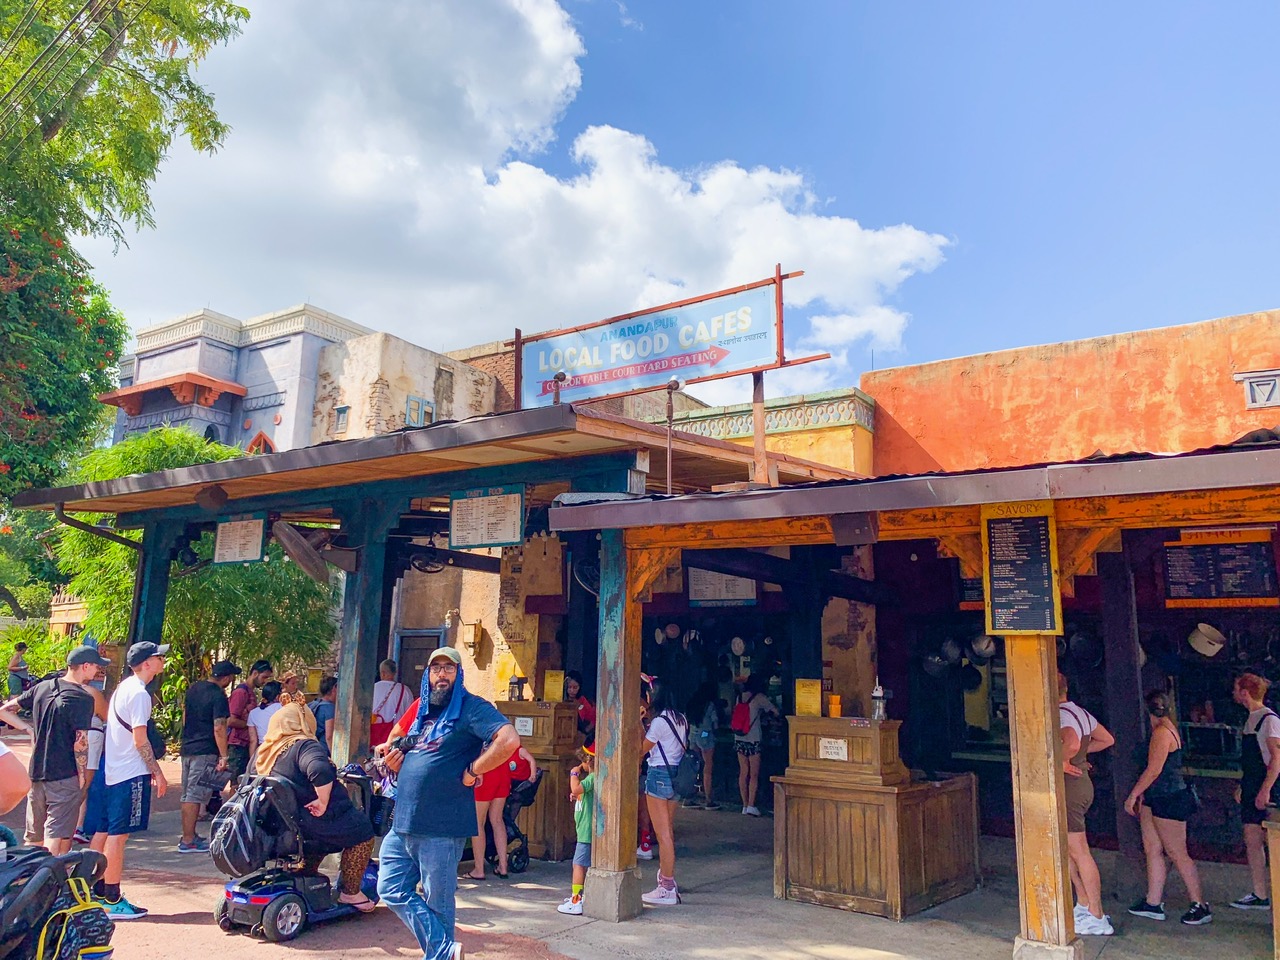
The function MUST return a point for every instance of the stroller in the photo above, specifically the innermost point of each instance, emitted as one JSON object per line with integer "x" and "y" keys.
{"x": 523, "y": 793}
{"x": 46, "y": 907}
{"x": 254, "y": 838}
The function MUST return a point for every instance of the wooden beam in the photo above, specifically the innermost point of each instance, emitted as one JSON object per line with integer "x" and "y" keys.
{"x": 767, "y": 568}
{"x": 965, "y": 547}
{"x": 1039, "y": 801}
{"x": 734, "y": 533}
{"x": 151, "y": 583}
{"x": 613, "y": 882}
{"x": 645, "y": 566}
{"x": 1197, "y": 507}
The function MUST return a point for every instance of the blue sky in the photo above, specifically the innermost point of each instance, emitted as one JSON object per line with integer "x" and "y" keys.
{"x": 954, "y": 178}
{"x": 1098, "y": 168}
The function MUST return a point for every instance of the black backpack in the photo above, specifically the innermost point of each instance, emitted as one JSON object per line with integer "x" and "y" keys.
{"x": 257, "y": 825}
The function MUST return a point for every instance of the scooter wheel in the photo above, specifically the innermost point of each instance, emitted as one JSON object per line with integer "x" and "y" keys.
{"x": 284, "y": 918}
{"x": 222, "y": 916}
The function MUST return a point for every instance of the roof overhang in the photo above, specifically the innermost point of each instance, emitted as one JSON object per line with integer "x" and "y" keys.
{"x": 187, "y": 388}
{"x": 542, "y": 434}
{"x": 1119, "y": 478}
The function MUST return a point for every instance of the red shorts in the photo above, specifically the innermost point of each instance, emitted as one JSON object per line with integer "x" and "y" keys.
{"x": 495, "y": 785}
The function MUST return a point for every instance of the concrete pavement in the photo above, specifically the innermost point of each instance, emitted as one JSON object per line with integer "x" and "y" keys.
{"x": 725, "y": 871}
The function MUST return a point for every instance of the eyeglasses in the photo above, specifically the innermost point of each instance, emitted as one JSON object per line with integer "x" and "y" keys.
{"x": 443, "y": 668}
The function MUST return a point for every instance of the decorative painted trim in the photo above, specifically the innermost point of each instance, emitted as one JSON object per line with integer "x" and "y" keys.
{"x": 149, "y": 421}
{"x": 1261, "y": 388}
{"x": 203, "y": 323}
{"x": 834, "y": 408}
{"x": 265, "y": 401}
{"x": 220, "y": 328}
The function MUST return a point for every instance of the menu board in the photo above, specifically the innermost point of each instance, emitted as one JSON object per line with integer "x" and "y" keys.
{"x": 1216, "y": 574}
{"x": 972, "y": 596}
{"x": 240, "y": 541}
{"x": 708, "y": 589}
{"x": 487, "y": 517}
{"x": 1020, "y": 568}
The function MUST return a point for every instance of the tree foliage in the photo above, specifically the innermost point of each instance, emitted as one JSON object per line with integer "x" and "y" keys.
{"x": 242, "y": 612}
{"x": 62, "y": 342}
{"x": 93, "y": 95}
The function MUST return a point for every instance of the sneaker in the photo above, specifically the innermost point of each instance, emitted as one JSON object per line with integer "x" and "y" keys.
{"x": 693, "y": 803}
{"x": 1198, "y": 915}
{"x": 1144, "y": 909}
{"x": 455, "y": 952}
{"x": 122, "y": 909}
{"x": 1090, "y": 926}
{"x": 711, "y": 805}
{"x": 662, "y": 897}
{"x": 751, "y": 811}
{"x": 80, "y": 837}
{"x": 644, "y": 852}
{"x": 1251, "y": 902}
{"x": 198, "y": 845}
{"x": 572, "y": 906}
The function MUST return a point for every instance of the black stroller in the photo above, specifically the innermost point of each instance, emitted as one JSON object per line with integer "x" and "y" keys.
{"x": 523, "y": 793}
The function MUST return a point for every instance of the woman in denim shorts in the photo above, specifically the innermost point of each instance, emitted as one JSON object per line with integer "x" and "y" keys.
{"x": 666, "y": 741}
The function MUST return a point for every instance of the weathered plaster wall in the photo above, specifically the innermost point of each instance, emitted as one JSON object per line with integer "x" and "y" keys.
{"x": 374, "y": 377}
{"x": 1164, "y": 390}
{"x": 849, "y": 655}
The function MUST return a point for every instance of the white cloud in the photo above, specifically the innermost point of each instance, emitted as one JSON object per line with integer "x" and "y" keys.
{"x": 390, "y": 175}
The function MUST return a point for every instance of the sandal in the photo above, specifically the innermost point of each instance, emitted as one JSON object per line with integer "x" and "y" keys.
{"x": 359, "y": 901}
{"x": 472, "y": 876}
{"x": 500, "y": 874}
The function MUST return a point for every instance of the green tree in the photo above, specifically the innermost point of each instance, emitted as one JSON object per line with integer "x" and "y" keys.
{"x": 62, "y": 341}
{"x": 92, "y": 96}
{"x": 243, "y": 612}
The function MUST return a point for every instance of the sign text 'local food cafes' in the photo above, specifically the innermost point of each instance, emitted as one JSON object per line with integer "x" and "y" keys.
{"x": 718, "y": 336}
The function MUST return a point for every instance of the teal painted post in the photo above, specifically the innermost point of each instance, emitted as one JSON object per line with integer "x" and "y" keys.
{"x": 146, "y": 619}
{"x": 366, "y": 526}
{"x": 613, "y": 882}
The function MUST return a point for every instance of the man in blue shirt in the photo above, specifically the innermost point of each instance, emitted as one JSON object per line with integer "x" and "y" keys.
{"x": 325, "y": 710}
{"x": 443, "y": 758}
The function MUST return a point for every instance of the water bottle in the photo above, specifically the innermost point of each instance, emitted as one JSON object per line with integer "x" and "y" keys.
{"x": 877, "y": 702}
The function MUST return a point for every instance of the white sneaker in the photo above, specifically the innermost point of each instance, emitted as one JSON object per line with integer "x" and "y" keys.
{"x": 750, "y": 811}
{"x": 1081, "y": 911}
{"x": 1091, "y": 926}
{"x": 661, "y": 897}
{"x": 644, "y": 853}
{"x": 456, "y": 952}
{"x": 571, "y": 906}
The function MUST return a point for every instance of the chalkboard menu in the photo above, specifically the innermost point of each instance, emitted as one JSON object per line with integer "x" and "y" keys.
{"x": 1219, "y": 571}
{"x": 1019, "y": 550}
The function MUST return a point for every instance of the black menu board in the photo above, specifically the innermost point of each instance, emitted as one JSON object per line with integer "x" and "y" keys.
{"x": 1219, "y": 571}
{"x": 1022, "y": 594}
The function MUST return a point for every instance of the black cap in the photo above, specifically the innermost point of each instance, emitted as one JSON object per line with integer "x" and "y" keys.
{"x": 225, "y": 668}
{"x": 260, "y": 665}
{"x": 79, "y": 656}
{"x": 145, "y": 650}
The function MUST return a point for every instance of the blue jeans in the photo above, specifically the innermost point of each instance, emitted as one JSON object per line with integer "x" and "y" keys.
{"x": 407, "y": 860}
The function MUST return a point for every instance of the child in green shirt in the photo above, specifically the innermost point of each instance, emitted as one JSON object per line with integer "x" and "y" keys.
{"x": 582, "y": 781}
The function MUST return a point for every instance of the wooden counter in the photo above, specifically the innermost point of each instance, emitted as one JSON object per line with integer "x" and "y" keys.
{"x": 852, "y": 831}
{"x": 549, "y": 731}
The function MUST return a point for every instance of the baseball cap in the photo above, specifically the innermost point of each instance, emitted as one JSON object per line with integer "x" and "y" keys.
{"x": 225, "y": 668}
{"x": 79, "y": 656}
{"x": 145, "y": 650}
{"x": 445, "y": 653}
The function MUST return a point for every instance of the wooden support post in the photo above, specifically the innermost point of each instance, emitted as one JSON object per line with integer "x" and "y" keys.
{"x": 1126, "y": 716}
{"x": 365, "y": 526}
{"x": 1271, "y": 829}
{"x": 146, "y": 619}
{"x": 613, "y": 881}
{"x": 1039, "y": 802}
{"x": 759, "y": 456}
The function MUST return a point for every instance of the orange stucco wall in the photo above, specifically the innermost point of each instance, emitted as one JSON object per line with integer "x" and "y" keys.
{"x": 1165, "y": 390}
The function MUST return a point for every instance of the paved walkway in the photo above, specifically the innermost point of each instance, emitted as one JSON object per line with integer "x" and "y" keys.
{"x": 725, "y": 869}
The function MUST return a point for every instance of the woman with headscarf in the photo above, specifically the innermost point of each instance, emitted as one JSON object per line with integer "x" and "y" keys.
{"x": 328, "y": 820}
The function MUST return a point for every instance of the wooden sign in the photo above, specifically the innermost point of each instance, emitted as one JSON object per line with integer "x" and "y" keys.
{"x": 808, "y": 698}
{"x": 1221, "y": 568}
{"x": 487, "y": 517}
{"x": 1020, "y": 568}
{"x": 553, "y": 685}
{"x": 708, "y": 589}
{"x": 242, "y": 540}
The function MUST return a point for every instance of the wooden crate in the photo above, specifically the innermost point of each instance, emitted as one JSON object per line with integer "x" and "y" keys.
{"x": 845, "y": 750}
{"x": 890, "y": 851}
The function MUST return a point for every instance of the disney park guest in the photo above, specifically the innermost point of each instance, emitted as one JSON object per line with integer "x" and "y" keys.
{"x": 1260, "y": 769}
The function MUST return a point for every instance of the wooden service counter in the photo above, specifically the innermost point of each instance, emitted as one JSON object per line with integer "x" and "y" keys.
{"x": 549, "y": 731}
{"x": 851, "y": 829}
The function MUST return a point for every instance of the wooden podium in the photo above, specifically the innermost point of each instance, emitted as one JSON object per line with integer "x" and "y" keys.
{"x": 852, "y": 831}
{"x": 549, "y": 731}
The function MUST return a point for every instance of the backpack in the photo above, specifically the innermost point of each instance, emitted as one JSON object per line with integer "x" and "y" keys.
{"x": 740, "y": 722}
{"x": 257, "y": 825}
{"x": 689, "y": 771}
{"x": 78, "y": 928}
